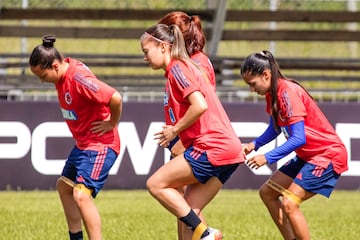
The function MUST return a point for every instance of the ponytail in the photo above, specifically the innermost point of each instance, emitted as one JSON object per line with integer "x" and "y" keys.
{"x": 191, "y": 28}
{"x": 171, "y": 35}
{"x": 178, "y": 49}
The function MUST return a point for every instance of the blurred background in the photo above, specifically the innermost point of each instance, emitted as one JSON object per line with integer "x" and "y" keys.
{"x": 320, "y": 53}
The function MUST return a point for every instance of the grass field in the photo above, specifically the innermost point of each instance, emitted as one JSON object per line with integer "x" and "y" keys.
{"x": 136, "y": 215}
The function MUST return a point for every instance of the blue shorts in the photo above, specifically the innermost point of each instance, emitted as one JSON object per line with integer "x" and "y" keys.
{"x": 311, "y": 177}
{"x": 90, "y": 168}
{"x": 203, "y": 170}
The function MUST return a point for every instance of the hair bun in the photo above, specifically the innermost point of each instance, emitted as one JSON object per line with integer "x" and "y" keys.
{"x": 48, "y": 40}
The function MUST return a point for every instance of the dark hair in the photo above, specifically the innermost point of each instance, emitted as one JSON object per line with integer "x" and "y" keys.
{"x": 45, "y": 54}
{"x": 257, "y": 63}
{"x": 191, "y": 29}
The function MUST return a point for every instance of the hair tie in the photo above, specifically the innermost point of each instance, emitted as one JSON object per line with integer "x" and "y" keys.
{"x": 156, "y": 39}
{"x": 48, "y": 40}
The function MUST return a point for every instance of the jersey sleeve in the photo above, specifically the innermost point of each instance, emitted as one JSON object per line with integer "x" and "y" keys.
{"x": 269, "y": 134}
{"x": 183, "y": 78}
{"x": 296, "y": 140}
{"x": 291, "y": 107}
{"x": 92, "y": 88}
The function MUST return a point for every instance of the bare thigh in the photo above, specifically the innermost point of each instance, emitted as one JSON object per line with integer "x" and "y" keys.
{"x": 199, "y": 195}
{"x": 175, "y": 173}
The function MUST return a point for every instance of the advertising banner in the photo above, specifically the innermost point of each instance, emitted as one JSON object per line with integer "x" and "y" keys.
{"x": 35, "y": 142}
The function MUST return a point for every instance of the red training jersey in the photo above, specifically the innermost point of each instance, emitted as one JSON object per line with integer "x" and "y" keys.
{"x": 213, "y": 131}
{"x": 84, "y": 99}
{"x": 322, "y": 143}
{"x": 205, "y": 64}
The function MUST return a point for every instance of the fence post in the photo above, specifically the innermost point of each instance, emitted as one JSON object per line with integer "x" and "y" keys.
{"x": 219, "y": 7}
{"x": 351, "y": 6}
{"x": 2, "y": 60}
{"x": 273, "y": 25}
{"x": 25, "y": 4}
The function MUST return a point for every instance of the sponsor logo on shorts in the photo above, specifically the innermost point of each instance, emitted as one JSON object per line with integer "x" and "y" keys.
{"x": 80, "y": 179}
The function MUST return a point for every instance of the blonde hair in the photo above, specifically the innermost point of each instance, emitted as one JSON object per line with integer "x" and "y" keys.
{"x": 171, "y": 34}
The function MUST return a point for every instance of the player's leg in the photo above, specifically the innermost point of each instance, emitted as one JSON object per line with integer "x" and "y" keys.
{"x": 314, "y": 180}
{"x": 89, "y": 212}
{"x": 183, "y": 230}
{"x": 292, "y": 210}
{"x": 64, "y": 187}
{"x": 72, "y": 214}
{"x": 272, "y": 201}
{"x": 272, "y": 190}
{"x": 180, "y": 225}
{"x": 92, "y": 171}
{"x": 163, "y": 185}
{"x": 198, "y": 196}
{"x": 176, "y": 148}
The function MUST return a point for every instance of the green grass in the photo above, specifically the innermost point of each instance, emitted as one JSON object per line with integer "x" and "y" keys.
{"x": 136, "y": 215}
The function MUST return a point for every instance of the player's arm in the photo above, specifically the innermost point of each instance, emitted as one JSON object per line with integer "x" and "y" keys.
{"x": 296, "y": 140}
{"x": 198, "y": 106}
{"x": 268, "y": 135}
{"x": 115, "y": 106}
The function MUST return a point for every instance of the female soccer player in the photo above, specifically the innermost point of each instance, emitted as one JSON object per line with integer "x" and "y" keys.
{"x": 195, "y": 40}
{"x": 92, "y": 110}
{"x": 320, "y": 155}
{"x": 213, "y": 151}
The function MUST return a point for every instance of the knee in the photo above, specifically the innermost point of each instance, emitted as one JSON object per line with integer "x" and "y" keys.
{"x": 288, "y": 206}
{"x": 59, "y": 183}
{"x": 151, "y": 185}
{"x": 154, "y": 185}
{"x": 64, "y": 184}
{"x": 81, "y": 194}
{"x": 264, "y": 193}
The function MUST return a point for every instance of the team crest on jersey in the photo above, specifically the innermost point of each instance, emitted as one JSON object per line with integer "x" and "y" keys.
{"x": 68, "y": 98}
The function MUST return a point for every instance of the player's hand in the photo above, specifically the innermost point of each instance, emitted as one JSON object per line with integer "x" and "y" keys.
{"x": 248, "y": 148}
{"x": 256, "y": 161}
{"x": 101, "y": 127}
{"x": 165, "y": 136}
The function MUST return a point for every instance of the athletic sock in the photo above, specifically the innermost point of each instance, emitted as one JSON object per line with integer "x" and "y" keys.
{"x": 192, "y": 221}
{"x": 76, "y": 236}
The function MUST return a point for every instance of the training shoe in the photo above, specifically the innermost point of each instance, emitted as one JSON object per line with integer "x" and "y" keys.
{"x": 214, "y": 234}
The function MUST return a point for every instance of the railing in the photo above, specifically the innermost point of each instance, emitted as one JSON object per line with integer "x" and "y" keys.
{"x": 17, "y": 83}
